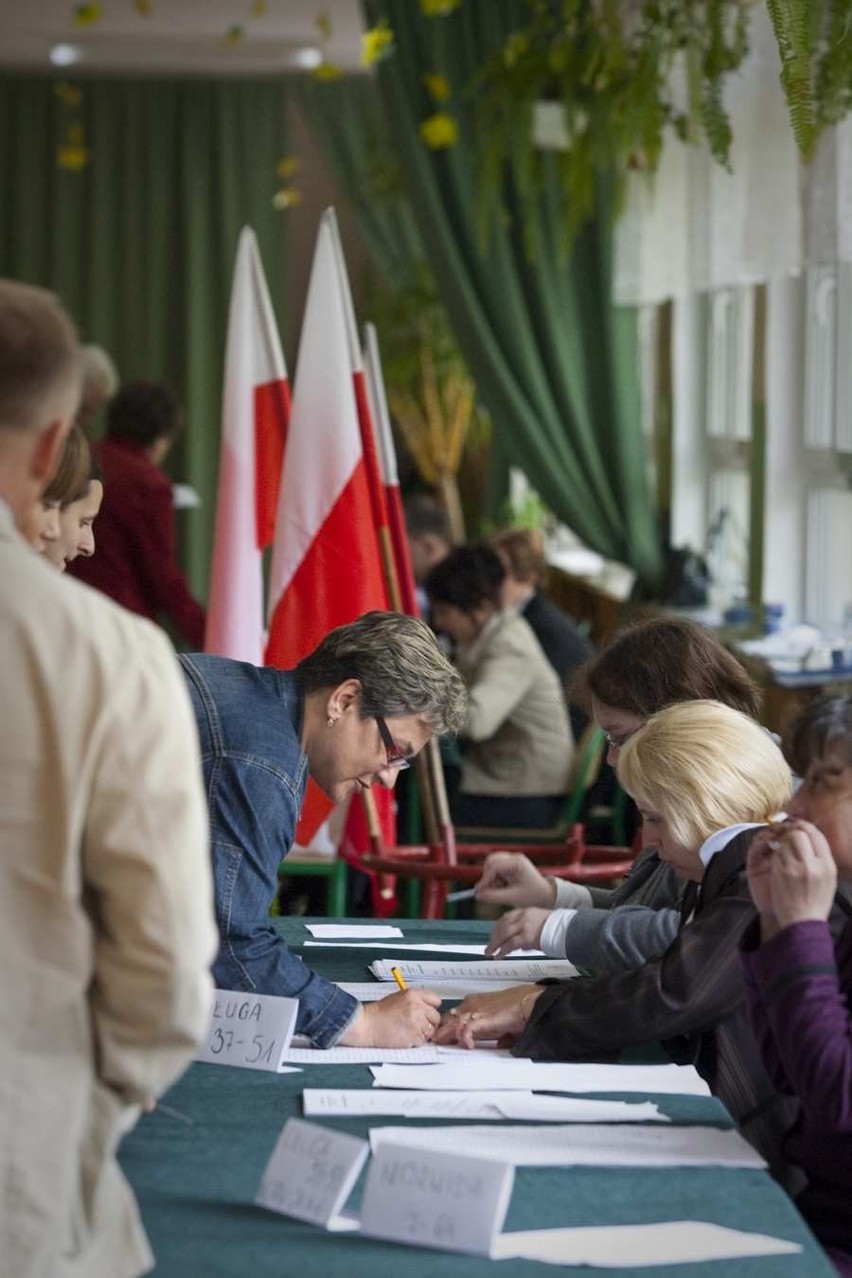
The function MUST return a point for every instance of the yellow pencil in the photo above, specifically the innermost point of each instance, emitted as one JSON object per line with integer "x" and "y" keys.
{"x": 399, "y": 978}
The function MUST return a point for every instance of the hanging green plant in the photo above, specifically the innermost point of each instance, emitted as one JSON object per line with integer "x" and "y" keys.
{"x": 815, "y": 44}
{"x": 609, "y": 66}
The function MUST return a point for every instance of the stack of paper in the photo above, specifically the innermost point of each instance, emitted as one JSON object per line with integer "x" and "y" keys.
{"x": 520, "y": 1075}
{"x": 520, "y": 970}
{"x": 496, "y": 1105}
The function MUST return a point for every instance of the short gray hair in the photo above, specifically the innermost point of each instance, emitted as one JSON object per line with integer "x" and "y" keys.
{"x": 100, "y": 381}
{"x": 399, "y": 665}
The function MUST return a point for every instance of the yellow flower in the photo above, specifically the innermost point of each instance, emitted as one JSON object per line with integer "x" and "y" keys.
{"x": 287, "y": 166}
{"x": 69, "y": 93}
{"x": 259, "y": 9}
{"x": 72, "y": 158}
{"x": 438, "y": 8}
{"x": 287, "y": 198}
{"x": 144, "y": 7}
{"x": 439, "y": 130}
{"x": 324, "y": 26}
{"x": 327, "y": 71}
{"x": 376, "y": 43}
{"x": 437, "y": 86}
{"x": 234, "y": 34}
{"x": 87, "y": 14}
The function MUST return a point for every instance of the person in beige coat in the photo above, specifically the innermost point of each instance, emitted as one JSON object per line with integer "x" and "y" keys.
{"x": 517, "y": 747}
{"x": 106, "y": 923}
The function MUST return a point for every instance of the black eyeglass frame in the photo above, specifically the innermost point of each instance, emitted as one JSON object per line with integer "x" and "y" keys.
{"x": 395, "y": 758}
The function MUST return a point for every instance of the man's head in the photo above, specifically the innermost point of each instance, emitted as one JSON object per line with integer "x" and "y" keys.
{"x": 146, "y": 414}
{"x": 39, "y": 392}
{"x": 375, "y": 692}
{"x": 430, "y": 536}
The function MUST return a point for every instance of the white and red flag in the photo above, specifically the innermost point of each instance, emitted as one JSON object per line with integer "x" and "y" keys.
{"x": 326, "y": 565}
{"x": 255, "y": 413}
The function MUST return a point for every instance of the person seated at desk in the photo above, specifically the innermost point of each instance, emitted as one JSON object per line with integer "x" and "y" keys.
{"x": 517, "y": 747}
{"x": 706, "y": 778}
{"x": 642, "y": 670}
{"x": 798, "y": 978}
{"x": 352, "y": 713}
{"x": 521, "y": 553}
{"x": 137, "y": 565}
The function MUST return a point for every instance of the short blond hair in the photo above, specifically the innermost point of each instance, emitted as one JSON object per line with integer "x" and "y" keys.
{"x": 703, "y": 766}
{"x": 38, "y": 355}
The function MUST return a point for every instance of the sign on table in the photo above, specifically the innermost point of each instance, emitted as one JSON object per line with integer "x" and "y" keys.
{"x": 430, "y": 1199}
{"x": 251, "y": 1031}
{"x": 311, "y": 1172}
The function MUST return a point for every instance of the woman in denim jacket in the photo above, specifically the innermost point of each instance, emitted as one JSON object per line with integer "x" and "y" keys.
{"x": 352, "y": 713}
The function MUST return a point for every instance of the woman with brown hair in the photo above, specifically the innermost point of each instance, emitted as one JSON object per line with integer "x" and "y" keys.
{"x": 642, "y": 670}
{"x": 42, "y": 527}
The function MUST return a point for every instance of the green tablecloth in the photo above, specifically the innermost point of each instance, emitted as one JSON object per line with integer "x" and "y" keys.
{"x": 196, "y": 1184}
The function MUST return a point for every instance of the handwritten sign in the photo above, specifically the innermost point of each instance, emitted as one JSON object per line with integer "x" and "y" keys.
{"x": 311, "y": 1172}
{"x": 252, "y": 1031}
{"x": 452, "y": 1202}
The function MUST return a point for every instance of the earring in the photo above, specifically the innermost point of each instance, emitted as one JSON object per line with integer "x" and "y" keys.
{"x": 330, "y": 721}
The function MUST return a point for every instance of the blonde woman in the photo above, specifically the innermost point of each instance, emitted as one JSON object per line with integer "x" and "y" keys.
{"x": 705, "y": 778}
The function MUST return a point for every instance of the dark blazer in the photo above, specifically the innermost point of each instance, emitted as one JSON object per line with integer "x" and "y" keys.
{"x": 564, "y": 645}
{"x": 692, "y": 998}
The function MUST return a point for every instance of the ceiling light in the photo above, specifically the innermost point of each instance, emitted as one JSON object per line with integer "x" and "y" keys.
{"x": 65, "y": 55}
{"x": 309, "y": 57}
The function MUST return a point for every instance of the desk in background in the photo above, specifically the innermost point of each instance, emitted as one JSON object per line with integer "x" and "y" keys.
{"x": 196, "y": 1184}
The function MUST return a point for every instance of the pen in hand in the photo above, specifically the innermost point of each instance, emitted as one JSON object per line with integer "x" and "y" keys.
{"x": 399, "y": 978}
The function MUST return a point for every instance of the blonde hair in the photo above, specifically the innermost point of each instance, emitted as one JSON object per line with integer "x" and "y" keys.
{"x": 703, "y": 766}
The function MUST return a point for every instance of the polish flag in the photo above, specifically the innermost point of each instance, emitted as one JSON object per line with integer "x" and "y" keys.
{"x": 326, "y": 565}
{"x": 390, "y": 474}
{"x": 255, "y": 412}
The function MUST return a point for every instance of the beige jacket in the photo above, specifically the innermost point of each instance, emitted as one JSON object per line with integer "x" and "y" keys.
{"x": 106, "y": 919}
{"x": 517, "y": 739}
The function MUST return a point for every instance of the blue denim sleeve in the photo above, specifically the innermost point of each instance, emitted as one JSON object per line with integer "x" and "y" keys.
{"x": 253, "y": 813}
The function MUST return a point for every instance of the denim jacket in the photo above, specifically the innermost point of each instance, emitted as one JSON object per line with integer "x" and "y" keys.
{"x": 255, "y": 773}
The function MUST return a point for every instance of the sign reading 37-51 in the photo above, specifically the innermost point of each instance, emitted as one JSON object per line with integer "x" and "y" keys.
{"x": 251, "y": 1031}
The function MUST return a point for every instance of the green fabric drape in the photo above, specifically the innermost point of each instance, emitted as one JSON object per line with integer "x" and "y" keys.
{"x": 140, "y": 244}
{"x": 553, "y": 360}
{"x": 347, "y": 117}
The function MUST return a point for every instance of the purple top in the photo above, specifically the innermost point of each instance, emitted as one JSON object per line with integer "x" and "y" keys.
{"x": 798, "y": 988}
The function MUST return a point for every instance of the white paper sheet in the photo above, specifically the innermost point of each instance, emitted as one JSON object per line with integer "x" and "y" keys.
{"x": 372, "y": 991}
{"x": 496, "y": 1106}
{"x": 361, "y": 1055}
{"x": 535, "y": 1076}
{"x": 675, "y": 1242}
{"x": 514, "y": 969}
{"x": 397, "y": 945}
{"x": 586, "y": 1146}
{"x": 353, "y": 931}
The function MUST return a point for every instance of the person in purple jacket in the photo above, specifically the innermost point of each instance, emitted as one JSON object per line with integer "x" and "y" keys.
{"x": 799, "y": 975}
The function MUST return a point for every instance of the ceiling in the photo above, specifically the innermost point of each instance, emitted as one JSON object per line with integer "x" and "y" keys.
{"x": 182, "y": 36}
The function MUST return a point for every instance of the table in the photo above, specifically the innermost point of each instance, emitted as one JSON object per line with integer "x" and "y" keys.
{"x": 196, "y": 1184}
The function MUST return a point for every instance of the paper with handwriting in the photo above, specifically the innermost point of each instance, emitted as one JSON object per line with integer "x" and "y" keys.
{"x": 499, "y": 1106}
{"x": 582, "y": 1146}
{"x": 514, "y": 969}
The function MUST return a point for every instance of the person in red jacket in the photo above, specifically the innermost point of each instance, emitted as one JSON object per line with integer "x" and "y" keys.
{"x": 136, "y": 564}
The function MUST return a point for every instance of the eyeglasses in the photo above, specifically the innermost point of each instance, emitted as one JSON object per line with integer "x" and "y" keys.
{"x": 396, "y": 759}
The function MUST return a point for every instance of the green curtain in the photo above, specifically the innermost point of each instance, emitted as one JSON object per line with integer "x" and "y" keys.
{"x": 140, "y": 244}
{"x": 553, "y": 360}
{"x": 347, "y": 117}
